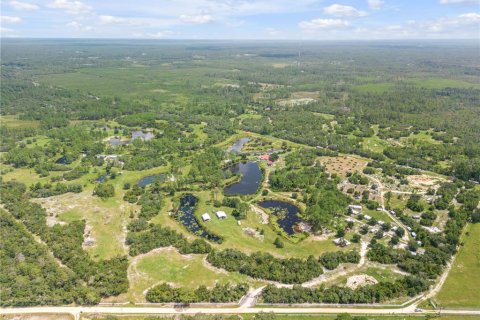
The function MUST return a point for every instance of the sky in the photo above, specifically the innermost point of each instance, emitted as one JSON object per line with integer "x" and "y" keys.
{"x": 242, "y": 19}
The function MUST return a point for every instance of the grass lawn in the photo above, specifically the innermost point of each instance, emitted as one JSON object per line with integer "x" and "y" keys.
{"x": 461, "y": 289}
{"x": 234, "y": 234}
{"x": 379, "y": 215}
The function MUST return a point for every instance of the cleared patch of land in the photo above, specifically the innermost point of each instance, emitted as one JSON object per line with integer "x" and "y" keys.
{"x": 167, "y": 265}
{"x": 11, "y": 121}
{"x": 105, "y": 220}
{"x": 343, "y": 164}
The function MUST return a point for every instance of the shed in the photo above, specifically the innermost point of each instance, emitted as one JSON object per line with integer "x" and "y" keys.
{"x": 221, "y": 215}
{"x": 206, "y": 217}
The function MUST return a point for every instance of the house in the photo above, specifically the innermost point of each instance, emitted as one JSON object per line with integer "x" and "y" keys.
{"x": 142, "y": 136}
{"x": 355, "y": 207}
{"x": 417, "y": 216}
{"x": 116, "y": 141}
{"x": 353, "y": 211}
{"x": 432, "y": 229}
{"x": 221, "y": 215}
{"x": 341, "y": 242}
{"x": 367, "y": 217}
{"x": 206, "y": 217}
{"x": 265, "y": 157}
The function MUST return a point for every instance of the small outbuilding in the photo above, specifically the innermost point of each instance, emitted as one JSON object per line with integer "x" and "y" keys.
{"x": 221, "y": 215}
{"x": 206, "y": 217}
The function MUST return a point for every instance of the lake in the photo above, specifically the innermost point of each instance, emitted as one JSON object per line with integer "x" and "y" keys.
{"x": 186, "y": 215}
{"x": 151, "y": 179}
{"x": 238, "y": 145}
{"x": 286, "y": 213}
{"x": 251, "y": 176}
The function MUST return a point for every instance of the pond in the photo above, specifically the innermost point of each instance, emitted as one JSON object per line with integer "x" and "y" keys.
{"x": 251, "y": 176}
{"x": 238, "y": 145}
{"x": 286, "y": 213}
{"x": 151, "y": 179}
{"x": 186, "y": 215}
{"x": 101, "y": 178}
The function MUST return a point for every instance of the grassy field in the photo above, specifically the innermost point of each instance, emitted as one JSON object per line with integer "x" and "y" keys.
{"x": 461, "y": 289}
{"x": 167, "y": 265}
{"x": 440, "y": 83}
{"x": 11, "y": 121}
{"x": 106, "y": 218}
{"x": 374, "y": 87}
{"x": 343, "y": 164}
{"x": 235, "y": 236}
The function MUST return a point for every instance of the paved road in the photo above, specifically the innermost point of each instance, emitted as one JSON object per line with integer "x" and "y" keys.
{"x": 77, "y": 311}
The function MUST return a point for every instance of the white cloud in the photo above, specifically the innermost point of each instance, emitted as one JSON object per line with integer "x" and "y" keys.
{"x": 77, "y": 26}
{"x": 72, "y": 7}
{"x": 7, "y": 32}
{"x": 460, "y": 2}
{"x": 113, "y": 20}
{"x": 10, "y": 19}
{"x": 471, "y": 19}
{"x": 272, "y": 32}
{"x": 137, "y": 21}
{"x": 160, "y": 34}
{"x": 339, "y": 10}
{"x": 323, "y": 24}
{"x": 375, "y": 4}
{"x": 18, "y": 5}
{"x": 197, "y": 19}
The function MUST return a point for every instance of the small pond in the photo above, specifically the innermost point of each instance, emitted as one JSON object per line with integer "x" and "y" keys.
{"x": 286, "y": 213}
{"x": 251, "y": 176}
{"x": 186, "y": 215}
{"x": 151, "y": 179}
{"x": 238, "y": 145}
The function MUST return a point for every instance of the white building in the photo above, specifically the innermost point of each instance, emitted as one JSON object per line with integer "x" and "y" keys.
{"x": 206, "y": 217}
{"x": 355, "y": 207}
{"x": 221, "y": 215}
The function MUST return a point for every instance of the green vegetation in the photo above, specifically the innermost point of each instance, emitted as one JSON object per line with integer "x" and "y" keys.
{"x": 78, "y": 134}
{"x": 461, "y": 287}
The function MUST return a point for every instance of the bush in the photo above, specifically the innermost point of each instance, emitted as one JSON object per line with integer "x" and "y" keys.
{"x": 104, "y": 190}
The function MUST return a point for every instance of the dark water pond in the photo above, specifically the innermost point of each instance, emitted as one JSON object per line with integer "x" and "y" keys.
{"x": 151, "y": 179}
{"x": 186, "y": 216}
{"x": 286, "y": 213}
{"x": 249, "y": 182}
{"x": 62, "y": 160}
{"x": 238, "y": 145}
